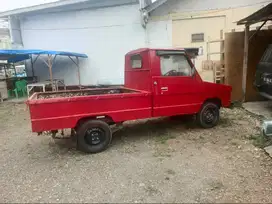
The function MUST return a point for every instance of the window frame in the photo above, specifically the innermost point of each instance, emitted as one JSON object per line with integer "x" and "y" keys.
{"x": 197, "y": 40}
{"x": 192, "y": 72}
{"x": 131, "y": 59}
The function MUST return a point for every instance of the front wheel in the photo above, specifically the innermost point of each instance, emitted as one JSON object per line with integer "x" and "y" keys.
{"x": 93, "y": 136}
{"x": 208, "y": 116}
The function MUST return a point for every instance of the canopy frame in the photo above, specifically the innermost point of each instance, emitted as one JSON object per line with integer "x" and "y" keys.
{"x": 49, "y": 62}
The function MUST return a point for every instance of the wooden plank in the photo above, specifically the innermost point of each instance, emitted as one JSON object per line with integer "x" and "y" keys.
{"x": 3, "y": 89}
{"x": 208, "y": 49}
{"x": 214, "y": 41}
{"x": 50, "y": 72}
{"x": 234, "y": 48}
{"x": 78, "y": 72}
{"x": 215, "y": 53}
{"x": 245, "y": 61}
{"x": 222, "y": 58}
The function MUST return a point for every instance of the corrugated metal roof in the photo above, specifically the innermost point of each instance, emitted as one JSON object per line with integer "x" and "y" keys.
{"x": 263, "y": 14}
{"x": 64, "y": 4}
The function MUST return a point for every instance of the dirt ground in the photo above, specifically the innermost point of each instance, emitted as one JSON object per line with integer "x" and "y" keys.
{"x": 160, "y": 160}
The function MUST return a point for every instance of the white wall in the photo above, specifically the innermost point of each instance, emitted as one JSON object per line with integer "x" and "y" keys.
{"x": 105, "y": 35}
{"x": 159, "y": 33}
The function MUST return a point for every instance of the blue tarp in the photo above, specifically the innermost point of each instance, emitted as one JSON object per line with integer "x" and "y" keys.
{"x": 13, "y": 56}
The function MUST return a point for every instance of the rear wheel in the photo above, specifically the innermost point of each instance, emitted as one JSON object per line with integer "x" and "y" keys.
{"x": 208, "y": 116}
{"x": 93, "y": 136}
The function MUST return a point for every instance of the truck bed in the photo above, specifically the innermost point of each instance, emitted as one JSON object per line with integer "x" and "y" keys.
{"x": 88, "y": 92}
{"x": 60, "y": 110}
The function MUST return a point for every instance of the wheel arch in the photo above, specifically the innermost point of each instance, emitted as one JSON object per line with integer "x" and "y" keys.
{"x": 214, "y": 100}
{"x": 105, "y": 118}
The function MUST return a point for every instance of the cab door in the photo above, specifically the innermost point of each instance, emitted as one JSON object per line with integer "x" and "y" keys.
{"x": 178, "y": 89}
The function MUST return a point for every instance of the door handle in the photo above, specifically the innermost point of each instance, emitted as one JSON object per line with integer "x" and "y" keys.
{"x": 164, "y": 88}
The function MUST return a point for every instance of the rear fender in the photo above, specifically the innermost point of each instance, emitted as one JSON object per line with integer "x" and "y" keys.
{"x": 107, "y": 119}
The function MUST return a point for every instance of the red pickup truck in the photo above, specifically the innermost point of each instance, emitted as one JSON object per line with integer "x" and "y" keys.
{"x": 158, "y": 82}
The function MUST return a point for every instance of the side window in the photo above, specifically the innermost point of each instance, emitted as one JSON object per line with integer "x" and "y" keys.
{"x": 175, "y": 65}
{"x": 136, "y": 61}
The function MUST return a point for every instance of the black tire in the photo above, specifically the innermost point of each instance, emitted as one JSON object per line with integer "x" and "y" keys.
{"x": 209, "y": 115}
{"x": 93, "y": 136}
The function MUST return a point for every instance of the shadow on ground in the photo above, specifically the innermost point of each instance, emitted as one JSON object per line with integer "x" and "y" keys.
{"x": 158, "y": 129}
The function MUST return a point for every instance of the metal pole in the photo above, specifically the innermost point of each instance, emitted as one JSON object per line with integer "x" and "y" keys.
{"x": 5, "y": 70}
{"x": 15, "y": 70}
{"x": 50, "y": 72}
{"x": 245, "y": 63}
{"x": 31, "y": 58}
{"x": 259, "y": 28}
{"x": 78, "y": 72}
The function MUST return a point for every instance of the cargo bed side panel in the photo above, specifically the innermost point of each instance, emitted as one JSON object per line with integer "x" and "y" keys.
{"x": 61, "y": 113}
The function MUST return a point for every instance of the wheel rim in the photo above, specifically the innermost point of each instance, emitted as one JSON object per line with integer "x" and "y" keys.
{"x": 95, "y": 136}
{"x": 210, "y": 115}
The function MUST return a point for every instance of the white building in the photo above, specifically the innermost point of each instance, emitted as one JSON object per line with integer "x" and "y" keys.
{"x": 107, "y": 29}
{"x": 103, "y": 29}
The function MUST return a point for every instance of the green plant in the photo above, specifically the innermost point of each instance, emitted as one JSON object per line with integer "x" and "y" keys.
{"x": 260, "y": 140}
{"x": 164, "y": 138}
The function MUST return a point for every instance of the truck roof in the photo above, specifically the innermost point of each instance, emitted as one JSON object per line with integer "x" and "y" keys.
{"x": 147, "y": 49}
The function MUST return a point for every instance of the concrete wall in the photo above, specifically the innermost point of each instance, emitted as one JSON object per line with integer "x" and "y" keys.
{"x": 159, "y": 33}
{"x": 5, "y": 44}
{"x": 15, "y": 31}
{"x": 183, "y": 30}
{"x": 105, "y": 35}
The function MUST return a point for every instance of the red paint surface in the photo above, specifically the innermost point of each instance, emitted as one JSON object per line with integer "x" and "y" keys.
{"x": 185, "y": 95}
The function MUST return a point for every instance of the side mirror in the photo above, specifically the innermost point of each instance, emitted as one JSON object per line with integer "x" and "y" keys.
{"x": 267, "y": 128}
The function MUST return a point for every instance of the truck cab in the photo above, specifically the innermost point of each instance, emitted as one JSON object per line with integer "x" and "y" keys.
{"x": 171, "y": 77}
{"x": 263, "y": 76}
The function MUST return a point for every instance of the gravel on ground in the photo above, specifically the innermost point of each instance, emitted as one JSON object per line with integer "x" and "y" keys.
{"x": 158, "y": 160}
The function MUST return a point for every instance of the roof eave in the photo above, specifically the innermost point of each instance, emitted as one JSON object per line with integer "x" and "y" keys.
{"x": 40, "y": 7}
{"x": 264, "y": 14}
{"x": 154, "y": 5}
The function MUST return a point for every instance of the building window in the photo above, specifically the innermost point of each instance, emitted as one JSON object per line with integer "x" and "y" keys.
{"x": 175, "y": 65}
{"x": 198, "y": 37}
{"x": 136, "y": 61}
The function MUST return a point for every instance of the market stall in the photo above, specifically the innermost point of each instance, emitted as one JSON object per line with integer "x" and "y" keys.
{"x": 49, "y": 57}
